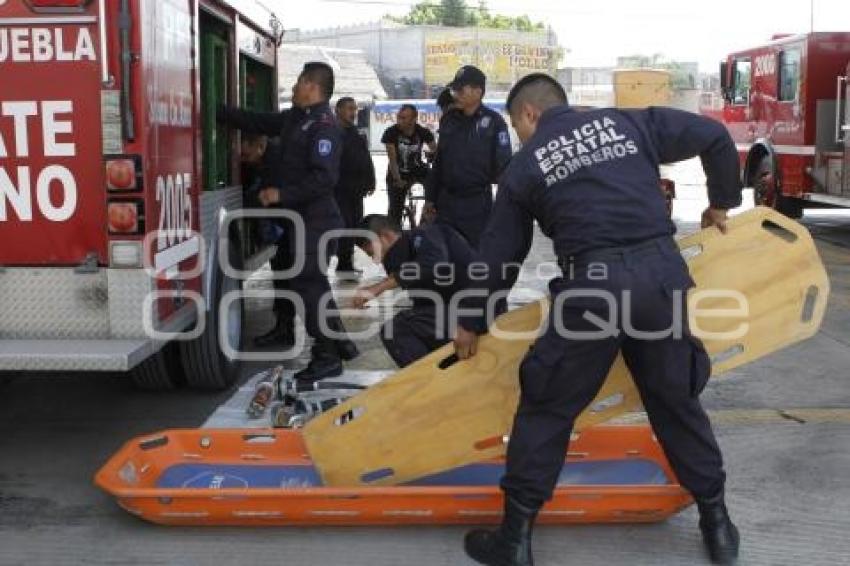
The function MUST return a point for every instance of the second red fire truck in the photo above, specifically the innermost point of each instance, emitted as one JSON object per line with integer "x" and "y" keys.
{"x": 785, "y": 104}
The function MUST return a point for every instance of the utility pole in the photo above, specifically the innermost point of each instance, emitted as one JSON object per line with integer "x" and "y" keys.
{"x": 811, "y": 16}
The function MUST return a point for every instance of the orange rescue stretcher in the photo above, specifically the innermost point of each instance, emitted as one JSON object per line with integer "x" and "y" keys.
{"x": 265, "y": 477}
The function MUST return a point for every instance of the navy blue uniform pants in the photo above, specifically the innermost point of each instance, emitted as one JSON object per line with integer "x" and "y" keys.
{"x": 283, "y": 308}
{"x": 414, "y": 333}
{"x": 467, "y": 213}
{"x": 351, "y": 209}
{"x": 564, "y": 371}
{"x": 311, "y": 285}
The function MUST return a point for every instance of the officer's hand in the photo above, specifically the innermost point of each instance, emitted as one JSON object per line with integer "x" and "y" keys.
{"x": 466, "y": 343}
{"x": 361, "y": 297}
{"x": 269, "y": 196}
{"x": 429, "y": 212}
{"x": 715, "y": 217}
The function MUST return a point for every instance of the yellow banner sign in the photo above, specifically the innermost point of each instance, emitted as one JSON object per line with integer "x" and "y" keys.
{"x": 502, "y": 61}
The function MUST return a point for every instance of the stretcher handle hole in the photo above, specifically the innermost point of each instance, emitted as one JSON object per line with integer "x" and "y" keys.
{"x": 349, "y": 416}
{"x": 691, "y": 252}
{"x": 259, "y": 438}
{"x": 152, "y": 443}
{"x": 492, "y": 442}
{"x": 809, "y": 304}
{"x": 727, "y": 354}
{"x": 779, "y": 231}
{"x": 449, "y": 362}
{"x": 608, "y": 403}
{"x": 376, "y": 475}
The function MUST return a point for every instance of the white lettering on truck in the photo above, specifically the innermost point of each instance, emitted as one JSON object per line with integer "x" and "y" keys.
{"x": 16, "y": 189}
{"x": 40, "y": 45}
{"x": 175, "y": 209}
{"x": 765, "y": 65}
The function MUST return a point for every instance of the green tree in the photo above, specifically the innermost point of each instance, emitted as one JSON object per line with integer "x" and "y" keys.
{"x": 421, "y": 14}
{"x": 456, "y": 13}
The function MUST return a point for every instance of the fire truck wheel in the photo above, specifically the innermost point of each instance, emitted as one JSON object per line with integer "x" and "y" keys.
{"x": 160, "y": 372}
{"x": 767, "y": 191}
{"x": 205, "y": 364}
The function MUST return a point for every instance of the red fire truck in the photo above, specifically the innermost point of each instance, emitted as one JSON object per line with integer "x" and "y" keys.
{"x": 116, "y": 181}
{"x": 785, "y": 104}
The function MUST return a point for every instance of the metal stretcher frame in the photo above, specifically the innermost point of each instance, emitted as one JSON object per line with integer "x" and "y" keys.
{"x": 133, "y": 476}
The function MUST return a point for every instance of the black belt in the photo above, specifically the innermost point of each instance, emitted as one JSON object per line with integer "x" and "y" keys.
{"x": 662, "y": 245}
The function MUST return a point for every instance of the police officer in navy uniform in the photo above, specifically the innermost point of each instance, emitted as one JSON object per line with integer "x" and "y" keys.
{"x": 590, "y": 179}
{"x": 309, "y": 171}
{"x": 356, "y": 181}
{"x": 261, "y": 159}
{"x": 432, "y": 263}
{"x": 472, "y": 151}
{"x": 445, "y": 101}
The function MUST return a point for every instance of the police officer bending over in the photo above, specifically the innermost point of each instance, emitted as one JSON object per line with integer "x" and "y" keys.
{"x": 432, "y": 263}
{"x": 472, "y": 151}
{"x": 590, "y": 179}
{"x": 311, "y": 147}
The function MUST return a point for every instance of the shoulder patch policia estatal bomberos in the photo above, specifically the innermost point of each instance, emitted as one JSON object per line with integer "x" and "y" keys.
{"x": 594, "y": 142}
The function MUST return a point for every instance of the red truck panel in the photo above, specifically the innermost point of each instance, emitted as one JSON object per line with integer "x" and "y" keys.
{"x": 52, "y": 194}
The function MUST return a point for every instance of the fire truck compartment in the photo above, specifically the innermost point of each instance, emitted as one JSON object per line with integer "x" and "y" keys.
{"x": 68, "y": 319}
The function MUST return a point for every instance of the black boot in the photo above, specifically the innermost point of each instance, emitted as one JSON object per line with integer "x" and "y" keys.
{"x": 346, "y": 349}
{"x": 718, "y": 533}
{"x": 510, "y": 545}
{"x": 283, "y": 334}
{"x": 324, "y": 363}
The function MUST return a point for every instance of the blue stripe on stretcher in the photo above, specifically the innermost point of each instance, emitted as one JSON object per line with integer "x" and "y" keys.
{"x": 213, "y": 476}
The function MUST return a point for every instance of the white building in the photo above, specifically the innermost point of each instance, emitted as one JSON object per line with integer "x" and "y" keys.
{"x": 588, "y": 86}
{"x": 354, "y": 76}
{"x": 416, "y": 61}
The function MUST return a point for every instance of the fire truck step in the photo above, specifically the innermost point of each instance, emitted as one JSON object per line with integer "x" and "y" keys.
{"x": 71, "y": 355}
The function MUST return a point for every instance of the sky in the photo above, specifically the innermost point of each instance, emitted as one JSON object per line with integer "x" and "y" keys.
{"x": 596, "y": 32}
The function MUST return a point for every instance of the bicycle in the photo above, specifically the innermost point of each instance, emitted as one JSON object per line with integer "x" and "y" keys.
{"x": 411, "y": 210}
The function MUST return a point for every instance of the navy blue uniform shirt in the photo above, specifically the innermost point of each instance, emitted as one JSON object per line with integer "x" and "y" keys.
{"x": 356, "y": 170}
{"x": 471, "y": 153}
{"x": 435, "y": 258}
{"x": 591, "y": 179}
{"x": 311, "y": 146}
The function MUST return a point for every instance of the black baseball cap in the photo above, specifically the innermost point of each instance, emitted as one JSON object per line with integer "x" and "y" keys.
{"x": 468, "y": 75}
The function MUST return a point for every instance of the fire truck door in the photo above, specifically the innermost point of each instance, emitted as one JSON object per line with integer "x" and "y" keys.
{"x": 737, "y": 112}
{"x": 214, "y": 50}
{"x": 845, "y": 133}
